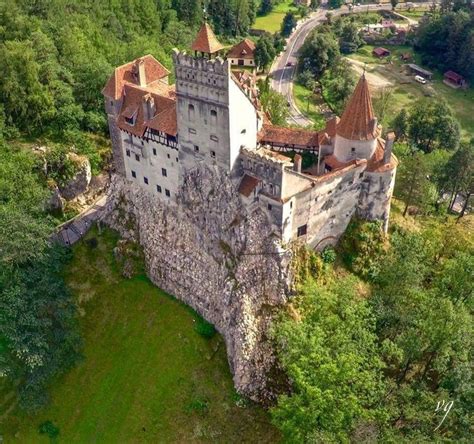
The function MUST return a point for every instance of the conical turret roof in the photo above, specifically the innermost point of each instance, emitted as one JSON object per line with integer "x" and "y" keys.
{"x": 358, "y": 121}
{"x": 206, "y": 41}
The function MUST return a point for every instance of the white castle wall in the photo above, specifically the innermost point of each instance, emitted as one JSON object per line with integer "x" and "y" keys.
{"x": 153, "y": 158}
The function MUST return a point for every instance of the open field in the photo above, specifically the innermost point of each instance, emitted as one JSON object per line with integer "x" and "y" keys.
{"x": 147, "y": 376}
{"x": 272, "y": 22}
{"x": 406, "y": 90}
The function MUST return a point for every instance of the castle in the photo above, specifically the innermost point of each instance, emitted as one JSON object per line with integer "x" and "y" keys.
{"x": 309, "y": 183}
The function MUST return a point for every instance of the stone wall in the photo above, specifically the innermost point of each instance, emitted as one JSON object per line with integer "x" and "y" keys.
{"x": 214, "y": 256}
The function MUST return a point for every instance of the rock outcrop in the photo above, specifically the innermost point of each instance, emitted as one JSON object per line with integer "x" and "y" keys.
{"x": 79, "y": 183}
{"x": 214, "y": 256}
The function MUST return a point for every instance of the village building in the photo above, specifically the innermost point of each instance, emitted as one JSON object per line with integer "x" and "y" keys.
{"x": 380, "y": 52}
{"x": 308, "y": 183}
{"x": 454, "y": 80}
{"x": 419, "y": 71}
{"x": 242, "y": 54}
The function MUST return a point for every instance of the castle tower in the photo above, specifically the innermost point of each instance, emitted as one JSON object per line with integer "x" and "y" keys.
{"x": 358, "y": 129}
{"x": 215, "y": 117}
{"x": 206, "y": 42}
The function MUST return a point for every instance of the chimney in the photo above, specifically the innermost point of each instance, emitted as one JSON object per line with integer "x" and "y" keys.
{"x": 149, "y": 107}
{"x": 387, "y": 154}
{"x": 141, "y": 72}
{"x": 373, "y": 125}
{"x": 297, "y": 161}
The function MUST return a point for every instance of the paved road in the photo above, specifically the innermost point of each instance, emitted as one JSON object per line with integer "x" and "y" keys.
{"x": 282, "y": 75}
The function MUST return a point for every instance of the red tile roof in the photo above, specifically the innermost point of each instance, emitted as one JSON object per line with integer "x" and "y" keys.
{"x": 453, "y": 76}
{"x": 282, "y": 136}
{"x": 358, "y": 120}
{"x": 243, "y": 50}
{"x": 124, "y": 74}
{"x": 247, "y": 185}
{"x": 206, "y": 41}
{"x": 134, "y": 105}
{"x": 376, "y": 163}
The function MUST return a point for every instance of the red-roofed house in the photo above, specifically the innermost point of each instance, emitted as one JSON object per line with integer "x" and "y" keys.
{"x": 380, "y": 52}
{"x": 242, "y": 54}
{"x": 454, "y": 80}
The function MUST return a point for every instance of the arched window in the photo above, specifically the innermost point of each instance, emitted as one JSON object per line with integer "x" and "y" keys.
{"x": 191, "y": 113}
{"x": 213, "y": 117}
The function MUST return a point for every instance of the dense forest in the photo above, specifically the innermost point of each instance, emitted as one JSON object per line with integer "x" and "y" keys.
{"x": 367, "y": 365}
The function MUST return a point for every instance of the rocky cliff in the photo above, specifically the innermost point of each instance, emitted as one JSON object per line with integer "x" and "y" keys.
{"x": 214, "y": 256}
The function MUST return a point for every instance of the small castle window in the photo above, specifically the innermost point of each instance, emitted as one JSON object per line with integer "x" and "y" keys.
{"x": 134, "y": 174}
{"x": 361, "y": 175}
{"x": 154, "y": 151}
{"x": 215, "y": 138}
{"x": 269, "y": 206}
{"x": 196, "y": 148}
{"x": 167, "y": 192}
{"x": 243, "y": 131}
{"x": 164, "y": 172}
{"x": 213, "y": 117}
{"x": 145, "y": 179}
{"x": 137, "y": 157}
{"x": 353, "y": 150}
{"x": 168, "y": 156}
{"x": 291, "y": 204}
{"x": 177, "y": 160}
{"x": 191, "y": 113}
{"x": 213, "y": 154}
{"x": 143, "y": 143}
{"x": 158, "y": 188}
{"x": 129, "y": 120}
{"x": 302, "y": 230}
{"x": 128, "y": 153}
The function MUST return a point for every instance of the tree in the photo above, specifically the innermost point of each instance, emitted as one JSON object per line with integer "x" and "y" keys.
{"x": 264, "y": 52}
{"x": 332, "y": 360}
{"x": 394, "y": 4}
{"x": 335, "y": 4}
{"x": 400, "y": 124}
{"x": 338, "y": 83}
{"x": 458, "y": 177}
{"x": 289, "y": 23}
{"x": 319, "y": 52}
{"x": 412, "y": 184}
{"x": 266, "y": 7}
{"x": 383, "y": 101}
{"x": 350, "y": 39}
{"x": 433, "y": 126}
{"x": 276, "y": 105}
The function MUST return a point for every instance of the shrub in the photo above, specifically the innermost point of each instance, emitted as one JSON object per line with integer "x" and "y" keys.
{"x": 328, "y": 255}
{"x": 48, "y": 428}
{"x": 362, "y": 247}
{"x": 204, "y": 328}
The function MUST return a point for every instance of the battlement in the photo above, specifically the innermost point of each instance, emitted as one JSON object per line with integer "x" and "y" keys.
{"x": 183, "y": 61}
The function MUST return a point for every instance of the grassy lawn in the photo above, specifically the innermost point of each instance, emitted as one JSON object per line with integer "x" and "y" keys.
{"x": 272, "y": 22}
{"x": 147, "y": 376}
{"x": 406, "y": 90}
{"x": 301, "y": 94}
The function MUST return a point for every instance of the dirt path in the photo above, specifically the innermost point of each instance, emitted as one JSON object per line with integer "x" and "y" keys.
{"x": 375, "y": 79}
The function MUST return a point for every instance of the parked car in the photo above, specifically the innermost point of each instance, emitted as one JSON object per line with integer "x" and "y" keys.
{"x": 420, "y": 79}
{"x": 289, "y": 64}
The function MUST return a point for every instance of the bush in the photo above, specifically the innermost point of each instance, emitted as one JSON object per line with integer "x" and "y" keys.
{"x": 362, "y": 247}
{"x": 204, "y": 328}
{"x": 48, "y": 428}
{"x": 328, "y": 255}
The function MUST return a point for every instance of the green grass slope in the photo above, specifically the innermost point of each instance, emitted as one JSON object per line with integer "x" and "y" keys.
{"x": 147, "y": 375}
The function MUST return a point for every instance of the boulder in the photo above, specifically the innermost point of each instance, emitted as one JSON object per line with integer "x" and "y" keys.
{"x": 81, "y": 180}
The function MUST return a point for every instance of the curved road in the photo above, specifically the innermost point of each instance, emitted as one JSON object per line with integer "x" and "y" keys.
{"x": 282, "y": 73}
